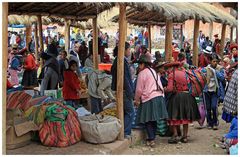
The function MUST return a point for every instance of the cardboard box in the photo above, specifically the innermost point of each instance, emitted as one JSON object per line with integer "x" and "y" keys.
{"x": 18, "y": 133}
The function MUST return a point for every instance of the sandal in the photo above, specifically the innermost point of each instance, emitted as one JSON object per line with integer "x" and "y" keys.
{"x": 184, "y": 140}
{"x": 173, "y": 140}
{"x": 148, "y": 143}
{"x": 152, "y": 144}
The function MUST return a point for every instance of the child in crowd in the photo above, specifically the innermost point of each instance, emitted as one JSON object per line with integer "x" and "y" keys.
{"x": 71, "y": 85}
{"x": 231, "y": 138}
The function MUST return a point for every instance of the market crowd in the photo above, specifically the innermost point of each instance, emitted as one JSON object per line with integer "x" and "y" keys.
{"x": 156, "y": 93}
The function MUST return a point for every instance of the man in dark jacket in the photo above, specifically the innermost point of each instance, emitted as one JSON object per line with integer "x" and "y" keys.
{"x": 128, "y": 93}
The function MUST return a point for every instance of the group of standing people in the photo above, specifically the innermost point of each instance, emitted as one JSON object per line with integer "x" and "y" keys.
{"x": 162, "y": 92}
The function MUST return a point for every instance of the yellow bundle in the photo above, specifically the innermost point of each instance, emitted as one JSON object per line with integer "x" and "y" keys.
{"x": 109, "y": 112}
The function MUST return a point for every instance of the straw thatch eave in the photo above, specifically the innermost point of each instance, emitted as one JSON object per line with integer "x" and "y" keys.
{"x": 158, "y": 13}
{"x": 81, "y": 11}
{"x": 220, "y": 16}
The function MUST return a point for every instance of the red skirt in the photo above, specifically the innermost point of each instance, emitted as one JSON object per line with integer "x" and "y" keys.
{"x": 179, "y": 122}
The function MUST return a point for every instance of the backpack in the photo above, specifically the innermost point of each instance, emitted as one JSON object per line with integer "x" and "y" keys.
{"x": 196, "y": 83}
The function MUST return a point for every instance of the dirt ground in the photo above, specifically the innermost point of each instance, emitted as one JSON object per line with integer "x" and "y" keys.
{"x": 201, "y": 141}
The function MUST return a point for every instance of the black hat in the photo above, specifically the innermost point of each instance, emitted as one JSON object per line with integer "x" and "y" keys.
{"x": 144, "y": 59}
{"x": 52, "y": 50}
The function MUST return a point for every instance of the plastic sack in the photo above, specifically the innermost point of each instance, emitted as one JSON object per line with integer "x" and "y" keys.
{"x": 111, "y": 105}
{"x": 82, "y": 112}
{"x": 233, "y": 150}
{"x": 99, "y": 129}
{"x": 202, "y": 111}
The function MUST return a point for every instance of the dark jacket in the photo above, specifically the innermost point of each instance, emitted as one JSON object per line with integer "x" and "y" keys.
{"x": 62, "y": 69}
{"x": 127, "y": 84}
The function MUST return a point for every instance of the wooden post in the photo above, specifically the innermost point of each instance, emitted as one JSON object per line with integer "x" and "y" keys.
{"x": 95, "y": 43}
{"x": 168, "y": 40}
{"x": 195, "y": 42}
{"x": 36, "y": 40}
{"x": 4, "y": 71}
{"x": 40, "y": 33}
{"x": 149, "y": 38}
{"x": 181, "y": 36}
{"x": 223, "y": 39}
{"x": 28, "y": 35}
{"x": 236, "y": 35}
{"x": 231, "y": 34}
{"x": 67, "y": 35}
{"x": 210, "y": 30}
{"x": 120, "y": 67}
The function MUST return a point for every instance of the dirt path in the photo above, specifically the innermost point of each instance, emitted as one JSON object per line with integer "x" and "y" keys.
{"x": 201, "y": 141}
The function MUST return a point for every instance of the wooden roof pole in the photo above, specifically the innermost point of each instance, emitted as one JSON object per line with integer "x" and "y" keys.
{"x": 95, "y": 43}
{"x": 223, "y": 35}
{"x": 231, "y": 34}
{"x": 210, "y": 30}
{"x": 168, "y": 40}
{"x": 195, "y": 42}
{"x": 28, "y": 35}
{"x": 236, "y": 35}
{"x": 36, "y": 40}
{"x": 40, "y": 33}
{"x": 67, "y": 35}
{"x": 4, "y": 71}
{"x": 120, "y": 67}
{"x": 181, "y": 36}
{"x": 149, "y": 38}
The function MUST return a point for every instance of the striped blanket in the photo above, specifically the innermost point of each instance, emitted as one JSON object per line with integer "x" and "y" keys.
{"x": 61, "y": 127}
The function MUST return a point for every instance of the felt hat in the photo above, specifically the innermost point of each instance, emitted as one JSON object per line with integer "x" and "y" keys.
{"x": 52, "y": 50}
{"x": 233, "y": 45}
{"x": 160, "y": 64}
{"x": 208, "y": 50}
{"x": 144, "y": 59}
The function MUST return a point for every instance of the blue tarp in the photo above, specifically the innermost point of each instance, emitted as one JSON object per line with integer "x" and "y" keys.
{"x": 16, "y": 26}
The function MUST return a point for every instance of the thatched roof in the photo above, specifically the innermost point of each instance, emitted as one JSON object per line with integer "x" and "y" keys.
{"x": 157, "y": 13}
{"x": 220, "y": 16}
{"x": 28, "y": 20}
{"x": 80, "y": 11}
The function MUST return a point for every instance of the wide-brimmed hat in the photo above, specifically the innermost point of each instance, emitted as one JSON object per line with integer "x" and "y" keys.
{"x": 208, "y": 50}
{"x": 14, "y": 46}
{"x": 144, "y": 59}
{"x": 172, "y": 64}
{"x": 233, "y": 46}
{"x": 52, "y": 50}
{"x": 161, "y": 64}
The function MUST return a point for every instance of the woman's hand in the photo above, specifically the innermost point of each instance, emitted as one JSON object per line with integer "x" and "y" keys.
{"x": 136, "y": 103}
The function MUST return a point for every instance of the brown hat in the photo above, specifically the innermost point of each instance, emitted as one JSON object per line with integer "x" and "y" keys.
{"x": 14, "y": 46}
{"x": 144, "y": 59}
{"x": 160, "y": 64}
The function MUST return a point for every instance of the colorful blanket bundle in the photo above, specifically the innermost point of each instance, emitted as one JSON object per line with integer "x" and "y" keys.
{"x": 61, "y": 127}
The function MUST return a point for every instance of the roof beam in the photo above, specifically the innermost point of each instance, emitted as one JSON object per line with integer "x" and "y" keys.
{"x": 25, "y": 6}
{"x": 84, "y": 10}
{"x": 57, "y": 15}
{"x": 59, "y": 7}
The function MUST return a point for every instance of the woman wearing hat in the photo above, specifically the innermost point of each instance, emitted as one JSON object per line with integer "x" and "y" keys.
{"x": 182, "y": 107}
{"x": 149, "y": 96}
{"x": 51, "y": 69}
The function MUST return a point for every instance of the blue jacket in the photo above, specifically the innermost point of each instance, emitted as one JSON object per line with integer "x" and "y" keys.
{"x": 233, "y": 131}
{"x": 127, "y": 84}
